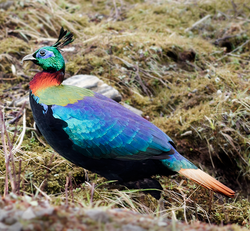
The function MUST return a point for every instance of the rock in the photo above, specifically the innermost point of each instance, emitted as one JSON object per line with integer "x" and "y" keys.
{"x": 135, "y": 110}
{"x": 162, "y": 223}
{"x": 98, "y": 215}
{"x": 130, "y": 227}
{"x": 3, "y": 226}
{"x": 15, "y": 227}
{"x": 28, "y": 214}
{"x": 45, "y": 211}
{"x": 3, "y": 214}
{"x": 10, "y": 220}
{"x": 95, "y": 84}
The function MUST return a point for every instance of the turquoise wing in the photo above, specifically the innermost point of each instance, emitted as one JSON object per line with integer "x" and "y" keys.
{"x": 101, "y": 128}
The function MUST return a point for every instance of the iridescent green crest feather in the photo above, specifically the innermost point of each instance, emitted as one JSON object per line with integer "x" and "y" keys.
{"x": 64, "y": 39}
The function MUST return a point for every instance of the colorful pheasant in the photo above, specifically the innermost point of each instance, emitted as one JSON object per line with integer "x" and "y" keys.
{"x": 99, "y": 134}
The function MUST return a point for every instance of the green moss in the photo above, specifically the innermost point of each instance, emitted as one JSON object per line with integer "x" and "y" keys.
{"x": 12, "y": 45}
{"x": 181, "y": 77}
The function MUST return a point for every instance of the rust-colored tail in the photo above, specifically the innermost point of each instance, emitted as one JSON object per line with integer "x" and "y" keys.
{"x": 207, "y": 181}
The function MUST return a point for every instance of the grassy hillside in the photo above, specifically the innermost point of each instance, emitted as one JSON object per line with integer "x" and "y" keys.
{"x": 185, "y": 64}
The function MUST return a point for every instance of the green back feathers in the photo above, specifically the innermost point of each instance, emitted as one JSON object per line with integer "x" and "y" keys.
{"x": 62, "y": 95}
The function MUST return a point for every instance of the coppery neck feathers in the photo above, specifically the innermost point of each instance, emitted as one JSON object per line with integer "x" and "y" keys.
{"x": 43, "y": 80}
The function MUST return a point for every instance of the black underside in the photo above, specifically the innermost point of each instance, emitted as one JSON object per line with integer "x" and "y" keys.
{"x": 132, "y": 174}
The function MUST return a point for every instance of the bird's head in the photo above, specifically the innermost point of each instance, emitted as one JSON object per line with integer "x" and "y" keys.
{"x": 49, "y": 58}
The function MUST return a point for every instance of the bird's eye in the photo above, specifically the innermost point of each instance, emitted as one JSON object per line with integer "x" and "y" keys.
{"x": 42, "y": 52}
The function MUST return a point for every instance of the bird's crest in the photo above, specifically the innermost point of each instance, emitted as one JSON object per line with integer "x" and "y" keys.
{"x": 64, "y": 39}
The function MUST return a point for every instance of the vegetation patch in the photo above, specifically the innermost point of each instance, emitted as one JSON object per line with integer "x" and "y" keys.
{"x": 186, "y": 66}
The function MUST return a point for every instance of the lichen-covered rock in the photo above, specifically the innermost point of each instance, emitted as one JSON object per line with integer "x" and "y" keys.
{"x": 98, "y": 215}
{"x": 30, "y": 213}
{"x": 135, "y": 110}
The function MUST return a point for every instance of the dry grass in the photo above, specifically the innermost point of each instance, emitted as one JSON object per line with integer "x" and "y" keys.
{"x": 185, "y": 64}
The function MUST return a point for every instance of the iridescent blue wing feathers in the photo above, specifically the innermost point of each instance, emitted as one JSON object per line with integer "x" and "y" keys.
{"x": 107, "y": 130}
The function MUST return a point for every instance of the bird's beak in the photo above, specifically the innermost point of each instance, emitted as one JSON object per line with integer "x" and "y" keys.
{"x": 29, "y": 57}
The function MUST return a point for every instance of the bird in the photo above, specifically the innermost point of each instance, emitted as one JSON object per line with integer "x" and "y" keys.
{"x": 99, "y": 134}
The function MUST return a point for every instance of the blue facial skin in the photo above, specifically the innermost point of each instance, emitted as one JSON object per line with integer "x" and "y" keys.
{"x": 44, "y": 54}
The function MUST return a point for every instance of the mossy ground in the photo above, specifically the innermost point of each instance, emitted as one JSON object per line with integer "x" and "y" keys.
{"x": 190, "y": 81}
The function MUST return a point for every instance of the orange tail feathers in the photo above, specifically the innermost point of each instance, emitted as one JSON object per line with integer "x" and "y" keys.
{"x": 207, "y": 181}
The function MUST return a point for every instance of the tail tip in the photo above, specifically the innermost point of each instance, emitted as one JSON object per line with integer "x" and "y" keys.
{"x": 207, "y": 181}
